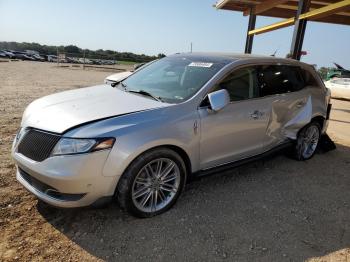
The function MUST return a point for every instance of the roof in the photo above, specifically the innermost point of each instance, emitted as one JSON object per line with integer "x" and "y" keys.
{"x": 231, "y": 57}
{"x": 287, "y": 9}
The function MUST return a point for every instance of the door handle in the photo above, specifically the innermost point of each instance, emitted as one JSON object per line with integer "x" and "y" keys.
{"x": 300, "y": 104}
{"x": 256, "y": 114}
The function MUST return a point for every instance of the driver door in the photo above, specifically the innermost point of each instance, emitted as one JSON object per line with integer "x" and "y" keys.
{"x": 237, "y": 131}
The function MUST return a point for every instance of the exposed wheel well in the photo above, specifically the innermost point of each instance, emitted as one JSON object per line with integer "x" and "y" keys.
{"x": 319, "y": 120}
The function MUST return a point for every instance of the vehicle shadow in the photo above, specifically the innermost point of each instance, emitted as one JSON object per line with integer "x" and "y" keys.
{"x": 276, "y": 209}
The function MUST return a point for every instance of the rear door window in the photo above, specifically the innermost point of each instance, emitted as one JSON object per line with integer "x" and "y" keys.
{"x": 309, "y": 78}
{"x": 295, "y": 79}
{"x": 280, "y": 79}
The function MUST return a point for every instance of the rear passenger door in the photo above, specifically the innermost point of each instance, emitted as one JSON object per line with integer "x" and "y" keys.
{"x": 283, "y": 87}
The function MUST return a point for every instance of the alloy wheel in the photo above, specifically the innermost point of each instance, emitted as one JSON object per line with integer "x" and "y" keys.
{"x": 156, "y": 185}
{"x": 309, "y": 141}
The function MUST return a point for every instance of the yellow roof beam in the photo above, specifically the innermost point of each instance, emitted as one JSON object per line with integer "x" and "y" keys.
{"x": 312, "y": 15}
{"x": 326, "y": 10}
{"x": 284, "y": 23}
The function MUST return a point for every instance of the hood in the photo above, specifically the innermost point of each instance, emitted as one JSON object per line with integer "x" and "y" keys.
{"x": 62, "y": 111}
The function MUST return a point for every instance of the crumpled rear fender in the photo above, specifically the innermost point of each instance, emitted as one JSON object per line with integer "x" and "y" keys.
{"x": 291, "y": 112}
{"x": 302, "y": 118}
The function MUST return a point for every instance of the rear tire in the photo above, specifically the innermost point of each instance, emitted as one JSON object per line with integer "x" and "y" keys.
{"x": 307, "y": 141}
{"x": 152, "y": 183}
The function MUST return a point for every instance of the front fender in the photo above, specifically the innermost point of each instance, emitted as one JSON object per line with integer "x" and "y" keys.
{"x": 121, "y": 158}
{"x": 134, "y": 141}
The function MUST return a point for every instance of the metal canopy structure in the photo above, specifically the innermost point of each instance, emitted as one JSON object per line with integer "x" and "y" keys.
{"x": 296, "y": 12}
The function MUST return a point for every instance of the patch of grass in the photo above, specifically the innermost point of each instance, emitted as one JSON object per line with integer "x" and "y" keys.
{"x": 126, "y": 62}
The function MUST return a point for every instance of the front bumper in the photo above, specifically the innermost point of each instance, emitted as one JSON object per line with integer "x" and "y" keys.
{"x": 66, "y": 181}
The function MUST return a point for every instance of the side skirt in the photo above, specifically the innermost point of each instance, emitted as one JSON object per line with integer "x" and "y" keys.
{"x": 231, "y": 165}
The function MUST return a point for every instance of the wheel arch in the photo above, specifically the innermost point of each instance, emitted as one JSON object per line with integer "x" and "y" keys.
{"x": 180, "y": 151}
{"x": 319, "y": 119}
{"x": 183, "y": 154}
{"x": 177, "y": 149}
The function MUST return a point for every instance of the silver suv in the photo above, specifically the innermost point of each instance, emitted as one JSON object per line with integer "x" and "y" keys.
{"x": 140, "y": 139}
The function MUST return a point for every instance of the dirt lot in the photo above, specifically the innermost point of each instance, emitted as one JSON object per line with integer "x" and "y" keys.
{"x": 271, "y": 210}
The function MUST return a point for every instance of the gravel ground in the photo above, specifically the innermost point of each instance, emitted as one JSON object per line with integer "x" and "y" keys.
{"x": 275, "y": 209}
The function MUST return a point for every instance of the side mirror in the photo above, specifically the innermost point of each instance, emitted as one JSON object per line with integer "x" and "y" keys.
{"x": 219, "y": 99}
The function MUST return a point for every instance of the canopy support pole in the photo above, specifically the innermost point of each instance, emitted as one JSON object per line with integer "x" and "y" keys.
{"x": 250, "y": 38}
{"x": 299, "y": 30}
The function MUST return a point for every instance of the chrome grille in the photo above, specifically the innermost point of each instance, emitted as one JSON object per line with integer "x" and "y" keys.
{"x": 37, "y": 145}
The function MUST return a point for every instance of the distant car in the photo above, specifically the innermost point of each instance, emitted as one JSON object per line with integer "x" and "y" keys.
{"x": 340, "y": 87}
{"x": 116, "y": 78}
{"x": 22, "y": 56}
{"x": 72, "y": 60}
{"x": 28, "y": 57}
{"x": 2, "y": 54}
{"x": 19, "y": 55}
{"x": 38, "y": 58}
{"x": 88, "y": 61}
{"x": 96, "y": 62}
{"x": 183, "y": 115}
{"x": 109, "y": 62}
{"x": 51, "y": 58}
{"x": 9, "y": 54}
{"x": 85, "y": 61}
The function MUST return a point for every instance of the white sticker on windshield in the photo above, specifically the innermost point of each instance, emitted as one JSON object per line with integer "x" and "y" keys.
{"x": 200, "y": 64}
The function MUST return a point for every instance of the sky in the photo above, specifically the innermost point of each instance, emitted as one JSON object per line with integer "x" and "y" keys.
{"x": 160, "y": 26}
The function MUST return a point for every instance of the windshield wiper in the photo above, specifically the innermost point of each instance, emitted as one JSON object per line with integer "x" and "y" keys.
{"x": 119, "y": 83}
{"x": 145, "y": 93}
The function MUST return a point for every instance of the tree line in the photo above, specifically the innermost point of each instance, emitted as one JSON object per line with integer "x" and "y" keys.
{"x": 78, "y": 52}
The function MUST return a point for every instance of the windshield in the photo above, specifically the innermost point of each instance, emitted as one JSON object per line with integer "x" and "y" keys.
{"x": 173, "y": 79}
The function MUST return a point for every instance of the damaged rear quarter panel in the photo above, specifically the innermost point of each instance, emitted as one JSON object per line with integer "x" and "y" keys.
{"x": 292, "y": 111}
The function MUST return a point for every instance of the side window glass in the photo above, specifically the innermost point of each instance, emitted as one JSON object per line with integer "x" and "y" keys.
{"x": 293, "y": 79}
{"x": 275, "y": 79}
{"x": 241, "y": 84}
{"x": 271, "y": 80}
{"x": 309, "y": 78}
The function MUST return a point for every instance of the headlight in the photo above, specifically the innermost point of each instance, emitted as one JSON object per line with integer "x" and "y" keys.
{"x": 69, "y": 146}
{"x": 20, "y": 134}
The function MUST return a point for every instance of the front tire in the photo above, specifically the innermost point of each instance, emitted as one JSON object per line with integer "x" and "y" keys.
{"x": 152, "y": 183}
{"x": 307, "y": 141}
